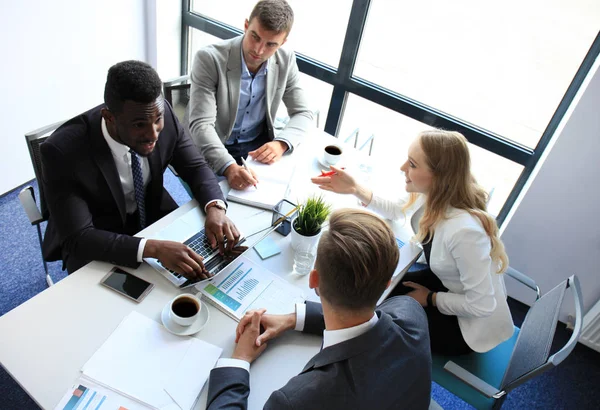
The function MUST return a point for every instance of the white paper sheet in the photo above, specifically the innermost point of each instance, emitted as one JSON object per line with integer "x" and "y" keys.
{"x": 143, "y": 360}
{"x": 245, "y": 285}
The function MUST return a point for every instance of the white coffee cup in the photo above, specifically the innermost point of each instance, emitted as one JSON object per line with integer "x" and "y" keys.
{"x": 332, "y": 154}
{"x": 184, "y": 309}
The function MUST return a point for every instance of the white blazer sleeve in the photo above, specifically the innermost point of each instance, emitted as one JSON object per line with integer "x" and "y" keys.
{"x": 470, "y": 249}
{"x": 392, "y": 208}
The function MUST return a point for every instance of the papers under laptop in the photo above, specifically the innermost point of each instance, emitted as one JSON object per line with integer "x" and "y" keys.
{"x": 188, "y": 229}
{"x": 244, "y": 285}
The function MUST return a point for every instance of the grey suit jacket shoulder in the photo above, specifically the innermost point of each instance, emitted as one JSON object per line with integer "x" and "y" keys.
{"x": 388, "y": 367}
{"x": 215, "y": 92}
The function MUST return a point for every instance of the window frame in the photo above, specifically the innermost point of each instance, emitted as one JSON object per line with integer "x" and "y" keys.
{"x": 343, "y": 83}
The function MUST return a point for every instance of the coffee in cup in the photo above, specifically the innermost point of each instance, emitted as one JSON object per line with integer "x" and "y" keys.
{"x": 184, "y": 309}
{"x": 332, "y": 154}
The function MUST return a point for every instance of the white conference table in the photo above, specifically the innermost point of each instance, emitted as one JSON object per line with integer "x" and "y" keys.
{"x": 46, "y": 340}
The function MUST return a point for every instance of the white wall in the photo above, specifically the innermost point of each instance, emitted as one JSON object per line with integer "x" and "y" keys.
{"x": 555, "y": 230}
{"x": 55, "y": 55}
{"x": 165, "y": 40}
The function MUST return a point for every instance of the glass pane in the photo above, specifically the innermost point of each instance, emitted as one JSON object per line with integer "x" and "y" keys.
{"x": 393, "y": 133}
{"x": 198, "y": 39}
{"x": 503, "y": 66}
{"x": 311, "y": 19}
{"x": 318, "y": 94}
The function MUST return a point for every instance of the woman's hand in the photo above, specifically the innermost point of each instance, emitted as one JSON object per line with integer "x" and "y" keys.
{"x": 340, "y": 182}
{"x": 419, "y": 293}
{"x": 343, "y": 183}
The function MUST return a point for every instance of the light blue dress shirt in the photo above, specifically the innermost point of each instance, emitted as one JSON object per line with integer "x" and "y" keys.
{"x": 252, "y": 107}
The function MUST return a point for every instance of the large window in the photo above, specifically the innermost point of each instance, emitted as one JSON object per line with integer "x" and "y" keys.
{"x": 318, "y": 31}
{"x": 503, "y": 66}
{"x": 393, "y": 133}
{"x": 503, "y": 73}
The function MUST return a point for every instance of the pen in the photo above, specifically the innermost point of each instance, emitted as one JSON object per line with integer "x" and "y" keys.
{"x": 247, "y": 169}
{"x": 328, "y": 174}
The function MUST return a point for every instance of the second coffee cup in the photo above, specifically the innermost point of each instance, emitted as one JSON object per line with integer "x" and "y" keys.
{"x": 332, "y": 154}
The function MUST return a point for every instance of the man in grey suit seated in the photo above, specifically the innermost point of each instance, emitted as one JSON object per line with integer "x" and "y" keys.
{"x": 371, "y": 359}
{"x": 237, "y": 86}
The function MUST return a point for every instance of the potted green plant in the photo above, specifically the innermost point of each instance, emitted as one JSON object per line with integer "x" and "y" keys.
{"x": 307, "y": 224}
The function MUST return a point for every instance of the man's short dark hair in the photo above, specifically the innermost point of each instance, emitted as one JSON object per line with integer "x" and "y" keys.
{"x": 131, "y": 80}
{"x": 274, "y": 15}
{"x": 356, "y": 258}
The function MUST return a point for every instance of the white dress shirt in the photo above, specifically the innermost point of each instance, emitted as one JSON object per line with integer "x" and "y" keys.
{"x": 122, "y": 157}
{"x": 330, "y": 337}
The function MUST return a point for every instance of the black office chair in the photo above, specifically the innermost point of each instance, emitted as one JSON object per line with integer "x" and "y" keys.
{"x": 27, "y": 196}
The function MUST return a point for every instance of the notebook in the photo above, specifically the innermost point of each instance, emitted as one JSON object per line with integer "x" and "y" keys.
{"x": 145, "y": 362}
{"x": 272, "y": 186}
{"x": 244, "y": 286}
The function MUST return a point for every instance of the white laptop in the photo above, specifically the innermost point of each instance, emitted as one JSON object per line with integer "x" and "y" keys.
{"x": 189, "y": 229}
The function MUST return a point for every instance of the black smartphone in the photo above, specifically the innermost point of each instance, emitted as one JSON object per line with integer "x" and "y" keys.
{"x": 127, "y": 284}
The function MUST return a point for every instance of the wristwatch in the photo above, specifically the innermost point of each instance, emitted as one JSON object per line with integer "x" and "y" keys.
{"x": 217, "y": 204}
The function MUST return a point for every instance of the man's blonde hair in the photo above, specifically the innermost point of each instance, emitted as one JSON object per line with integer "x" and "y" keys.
{"x": 447, "y": 154}
{"x": 356, "y": 258}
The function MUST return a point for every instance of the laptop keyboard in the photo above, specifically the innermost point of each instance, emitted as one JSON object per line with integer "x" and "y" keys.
{"x": 200, "y": 244}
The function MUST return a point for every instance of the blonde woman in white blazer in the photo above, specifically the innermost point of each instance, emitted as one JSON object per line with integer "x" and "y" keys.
{"x": 462, "y": 290}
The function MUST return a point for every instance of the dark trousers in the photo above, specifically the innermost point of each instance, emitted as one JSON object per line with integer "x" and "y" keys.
{"x": 444, "y": 331}
{"x": 241, "y": 150}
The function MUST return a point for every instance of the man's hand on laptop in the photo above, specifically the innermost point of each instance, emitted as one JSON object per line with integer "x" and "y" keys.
{"x": 177, "y": 257}
{"x": 218, "y": 228}
{"x": 239, "y": 178}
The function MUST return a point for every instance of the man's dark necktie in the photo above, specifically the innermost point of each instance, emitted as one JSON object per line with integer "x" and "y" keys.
{"x": 138, "y": 185}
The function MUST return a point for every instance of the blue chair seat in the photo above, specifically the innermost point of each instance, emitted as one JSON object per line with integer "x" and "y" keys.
{"x": 490, "y": 367}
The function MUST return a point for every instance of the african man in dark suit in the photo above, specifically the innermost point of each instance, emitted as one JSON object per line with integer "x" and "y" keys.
{"x": 103, "y": 179}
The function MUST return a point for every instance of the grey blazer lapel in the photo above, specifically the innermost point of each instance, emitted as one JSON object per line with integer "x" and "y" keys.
{"x": 234, "y": 74}
{"x": 272, "y": 80}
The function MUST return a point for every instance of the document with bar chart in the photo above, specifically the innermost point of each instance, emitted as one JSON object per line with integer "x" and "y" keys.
{"x": 88, "y": 395}
{"x": 244, "y": 285}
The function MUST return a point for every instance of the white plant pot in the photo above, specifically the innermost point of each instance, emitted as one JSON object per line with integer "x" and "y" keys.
{"x": 301, "y": 242}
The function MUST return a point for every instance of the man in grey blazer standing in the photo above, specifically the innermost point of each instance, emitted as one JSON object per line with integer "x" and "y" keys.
{"x": 237, "y": 86}
{"x": 370, "y": 359}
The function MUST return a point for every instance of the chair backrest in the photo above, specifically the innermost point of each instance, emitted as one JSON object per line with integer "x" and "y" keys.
{"x": 177, "y": 93}
{"x": 532, "y": 348}
{"x": 34, "y": 139}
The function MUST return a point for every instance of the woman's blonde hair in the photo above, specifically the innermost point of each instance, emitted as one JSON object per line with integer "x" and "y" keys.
{"x": 447, "y": 156}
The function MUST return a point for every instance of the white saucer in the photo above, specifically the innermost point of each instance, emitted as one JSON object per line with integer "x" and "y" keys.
{"x": 179, "y": 330}
{"x": 325, "y": 165}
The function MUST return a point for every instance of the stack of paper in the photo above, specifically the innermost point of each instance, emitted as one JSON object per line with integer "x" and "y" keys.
{"x": 147, "y": 363}
{"x": 272, "y": 187}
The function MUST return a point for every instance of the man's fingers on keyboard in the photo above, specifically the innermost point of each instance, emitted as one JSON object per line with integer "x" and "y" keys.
{"x": 230, "y": 238}
{"x": 195, "y": 257}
